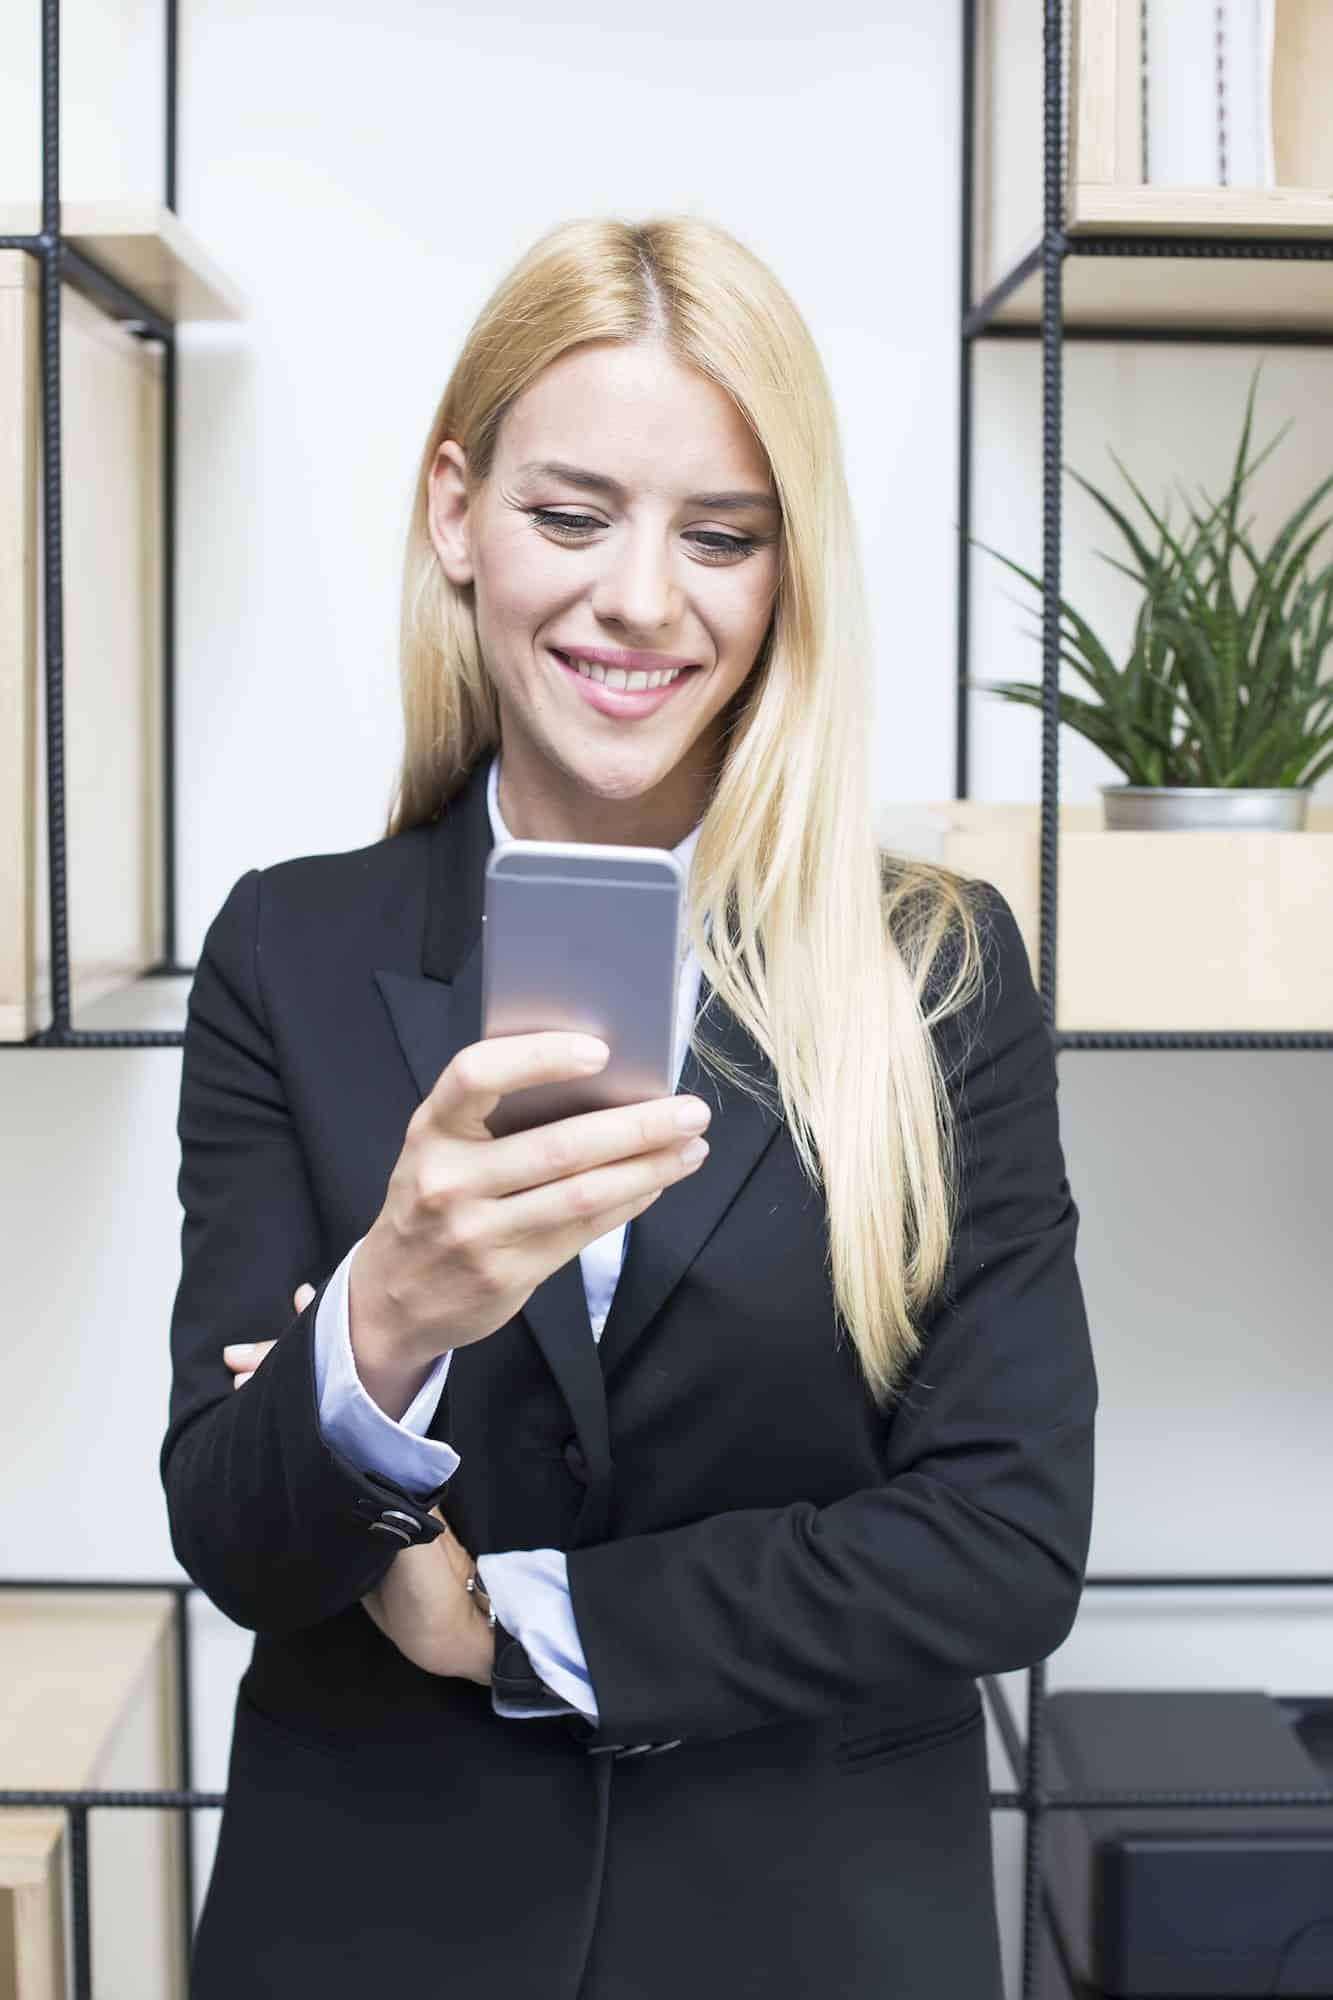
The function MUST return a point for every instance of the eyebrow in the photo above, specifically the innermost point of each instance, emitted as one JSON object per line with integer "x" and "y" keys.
{"x": 601, "y": 482}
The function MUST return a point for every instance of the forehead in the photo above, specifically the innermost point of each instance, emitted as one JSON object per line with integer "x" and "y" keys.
{"x": 636, "y": 413}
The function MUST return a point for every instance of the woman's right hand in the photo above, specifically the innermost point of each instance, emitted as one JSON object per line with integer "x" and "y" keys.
{"x": 471, "y": 1224}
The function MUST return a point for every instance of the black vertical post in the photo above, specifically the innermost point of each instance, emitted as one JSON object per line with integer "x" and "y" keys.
{"x": 169, "y": 77}
{"x": 1052, "y": 410}
{"x": 1052, "y": 415}
{"x": 966, "y": 258}
{"x": 50, "y": 245}
{"x": 168, "y": 631}
{"x": 81, "y": 1902}
{"x": 169, "y": 390}
{"x": 185, "y": 1726}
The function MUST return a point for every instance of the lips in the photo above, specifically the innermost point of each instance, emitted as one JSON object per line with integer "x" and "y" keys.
{"x": 624, "y": 704}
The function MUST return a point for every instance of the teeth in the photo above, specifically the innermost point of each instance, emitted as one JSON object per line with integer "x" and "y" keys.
{"x": 617, "y": 677}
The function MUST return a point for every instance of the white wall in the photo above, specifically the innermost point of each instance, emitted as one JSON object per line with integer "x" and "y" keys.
{"x": 366, "y": 174}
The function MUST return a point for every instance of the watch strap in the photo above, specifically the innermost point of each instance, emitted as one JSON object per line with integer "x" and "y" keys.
{"x": 514, "y": 1677}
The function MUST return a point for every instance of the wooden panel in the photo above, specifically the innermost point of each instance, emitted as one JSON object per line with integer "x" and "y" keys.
{"x": 33, "y": 1957}
{"x": 147, "y": 247}
{"x": 1302, "y": 83}
{"x": 71, "y": 1660}
{"x": 19, "y": 443}
{"x": 89, "y": 1679}
{"x": 113, "y": 658}
{"x": 1203, "y": 931}
{"x": 112, "y": 414}
{"x": 1105, "y": 128}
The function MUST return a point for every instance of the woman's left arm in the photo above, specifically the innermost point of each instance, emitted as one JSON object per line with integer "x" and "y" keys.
{"x": 421, "y": 1603}
{"x": 969, "y": 1557}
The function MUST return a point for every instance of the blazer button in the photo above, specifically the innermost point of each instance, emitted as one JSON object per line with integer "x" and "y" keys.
{"x": 574, "y": 1459}
{"x": 402, "y": 1527}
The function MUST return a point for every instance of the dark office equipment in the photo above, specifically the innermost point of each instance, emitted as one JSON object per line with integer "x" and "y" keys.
{"x": 1188, "y": 1902}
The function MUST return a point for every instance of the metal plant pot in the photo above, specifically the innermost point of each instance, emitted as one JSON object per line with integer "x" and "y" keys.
{"x": 1185, "y": 808}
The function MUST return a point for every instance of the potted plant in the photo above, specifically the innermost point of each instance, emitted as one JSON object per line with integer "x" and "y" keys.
{"x": 1216, "y": 717}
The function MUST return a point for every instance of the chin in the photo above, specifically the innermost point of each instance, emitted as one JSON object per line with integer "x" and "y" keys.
{"x": 618, "y": 777}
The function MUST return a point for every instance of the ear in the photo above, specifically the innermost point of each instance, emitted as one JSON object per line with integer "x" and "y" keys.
{"x": 447, "y": 511}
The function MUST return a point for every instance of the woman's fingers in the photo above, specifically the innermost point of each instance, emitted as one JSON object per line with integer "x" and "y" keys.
{"x": 564, "y": 1209}
{"x": 622, "y": 1135}
{"x": 244, "y": 1356}
{"x": 468, "y": 1089}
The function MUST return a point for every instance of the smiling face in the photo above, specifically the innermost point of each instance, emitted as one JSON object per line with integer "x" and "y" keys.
{"x": 629, "y": 509}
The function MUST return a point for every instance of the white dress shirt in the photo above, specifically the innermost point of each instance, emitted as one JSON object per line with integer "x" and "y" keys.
{"x": 528, "y": 1588}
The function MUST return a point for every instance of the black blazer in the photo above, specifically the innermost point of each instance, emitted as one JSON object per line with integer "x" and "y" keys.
{"x": 800, "y": 1588}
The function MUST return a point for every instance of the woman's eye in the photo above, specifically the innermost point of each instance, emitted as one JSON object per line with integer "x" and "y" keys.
{"x": 578, "y": 525}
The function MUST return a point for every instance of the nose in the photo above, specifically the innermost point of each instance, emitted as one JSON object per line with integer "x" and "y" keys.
{"x": 637, "y": 589}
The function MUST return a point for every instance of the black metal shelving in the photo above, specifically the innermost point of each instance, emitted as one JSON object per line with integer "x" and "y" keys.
{"x": 977, "y": 321}
{"x": 61, "y": 263}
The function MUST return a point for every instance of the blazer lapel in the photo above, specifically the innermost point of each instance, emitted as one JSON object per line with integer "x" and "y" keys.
{"x": 665, "y": 1240}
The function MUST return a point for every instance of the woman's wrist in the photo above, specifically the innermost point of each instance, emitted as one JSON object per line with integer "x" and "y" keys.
{"x": 390, "y": 1376}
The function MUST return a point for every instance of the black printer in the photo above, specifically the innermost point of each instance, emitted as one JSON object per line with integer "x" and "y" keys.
{"x": 1187, "y": 1902}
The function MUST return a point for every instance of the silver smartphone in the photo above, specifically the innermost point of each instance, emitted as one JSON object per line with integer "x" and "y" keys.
{"x": 588, "y": 936}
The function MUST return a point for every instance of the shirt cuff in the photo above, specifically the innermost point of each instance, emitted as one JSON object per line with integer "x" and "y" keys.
{"x": 352, "y": 1420}
{"x": 529, "y": 1593}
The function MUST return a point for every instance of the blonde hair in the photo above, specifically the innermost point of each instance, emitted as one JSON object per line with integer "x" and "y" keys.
{"x": 819, "y": 942}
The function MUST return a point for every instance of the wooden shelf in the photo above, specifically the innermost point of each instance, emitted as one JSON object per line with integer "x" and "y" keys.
{"x": 1274, "y": 213}
{"x": 1106, "y": 196}
{"x": 147, "y": 247}
{"x": 1237, "y": 294}
{"x": 1197, "y": 932}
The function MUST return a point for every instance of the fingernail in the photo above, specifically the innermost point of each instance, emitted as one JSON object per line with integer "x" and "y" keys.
{"x": 693, "y": 1151}
{"x": 591, "y": 1053}
{"x": 691, "y": 1115}
{"x": 240, "y": 1349}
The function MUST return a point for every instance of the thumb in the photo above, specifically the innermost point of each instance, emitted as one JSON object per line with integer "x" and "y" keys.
{"x": 302, "y": 1296}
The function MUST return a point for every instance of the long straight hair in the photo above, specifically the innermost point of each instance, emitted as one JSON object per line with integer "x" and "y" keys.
{"x": 822, "y": 944}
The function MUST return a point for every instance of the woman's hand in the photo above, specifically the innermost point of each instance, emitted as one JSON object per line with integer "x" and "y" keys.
{"x": 471, "y": 1224}
{"x": 422, "y": 1605}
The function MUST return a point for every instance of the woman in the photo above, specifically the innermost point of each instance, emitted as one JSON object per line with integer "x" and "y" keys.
{"x": 754, "y": 1511}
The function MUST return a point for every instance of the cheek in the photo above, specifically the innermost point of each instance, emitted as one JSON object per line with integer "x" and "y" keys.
{"x": 743, "y": 621}
{"x": 520, "y": 581}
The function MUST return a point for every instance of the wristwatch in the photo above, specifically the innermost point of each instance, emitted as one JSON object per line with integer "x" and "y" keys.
{"x": 513, "y": 1675}
{"x": 515, "y": 1679}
